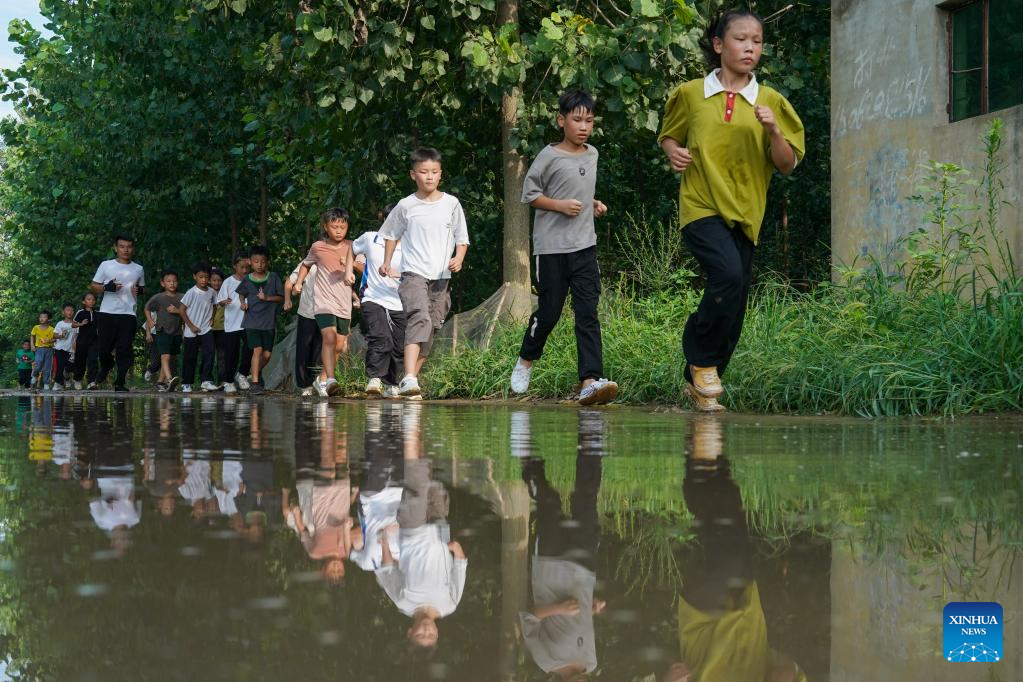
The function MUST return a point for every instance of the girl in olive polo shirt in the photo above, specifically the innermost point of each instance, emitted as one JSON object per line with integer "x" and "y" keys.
{"x": 726, "y": 134}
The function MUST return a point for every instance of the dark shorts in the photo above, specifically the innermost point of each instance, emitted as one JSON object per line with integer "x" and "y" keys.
{"x": 167, "y": 344}
{"x": 260, "y": 338}
{"x": 327, "y": 321}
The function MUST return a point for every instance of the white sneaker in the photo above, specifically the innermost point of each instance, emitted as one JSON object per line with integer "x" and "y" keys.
{"x": 148, "y": 376}
{"x": 391, "y": 391}
{"x": 321, "y": 387}
{"x": 186, "y": 388}
{"x": 229, "y": 388}
{"x": 520, "y": 377}
{"x": 242, "y": 381}
{"x": 375, "y": 387}
{"x": 56, "y": 387}
{"x": 600, "y": 392}
{"x": 307, "y": 391}
{"x": 409, "y": 387}
{"x": 332, "y": 387}
{"x": 173, "y": 384}
{"x": 209, "y": 386}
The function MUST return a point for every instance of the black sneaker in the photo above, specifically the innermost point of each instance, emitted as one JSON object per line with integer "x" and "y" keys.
{"x": 256, "y": 387}
{"x": 120, "y": 388}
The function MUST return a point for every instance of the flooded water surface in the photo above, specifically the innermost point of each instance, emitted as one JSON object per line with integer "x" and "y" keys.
{"x": 202, "y": 538}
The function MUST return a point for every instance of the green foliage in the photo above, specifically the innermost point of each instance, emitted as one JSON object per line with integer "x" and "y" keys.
{"x": 198, "y": 124}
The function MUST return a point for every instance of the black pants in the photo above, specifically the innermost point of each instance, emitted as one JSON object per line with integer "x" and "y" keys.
{"x": 712, "y": 332}
{"x": 63, "y": 364}
{"x": 554, "y": 275}
{"x": 721, "y": 564}
{"x": 116, "y": 334}
{"x": 385, "y": 342}
{"x": 308, "y": 344}
{"x": 24, "y": 378}
{"x": 237, "y": 356}
{"x": 191, "y": 347}
{"x": 153, "y": 365}
{"x": 86, "y": 358}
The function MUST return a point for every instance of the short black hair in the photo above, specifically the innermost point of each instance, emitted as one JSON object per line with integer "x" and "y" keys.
{"x": 239, "y": 255}
{"x": 717, "y": 28}
{"x": 122, "y": 237}
{"x": 217, "y": 272}
{"x": 576, "y": 99}
{"x": 68, "y": 304}
{"x": 26, "y": 341}
{"x": 170, "y": 271}
{"x": 424, "y": 154}
{"x": 46, "y": 312}
{"x": 332, "y": 214}
{"x": 259, "y": 250}
{"x": 200, "y": 266}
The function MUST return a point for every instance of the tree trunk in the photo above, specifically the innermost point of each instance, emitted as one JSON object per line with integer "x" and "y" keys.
{"x": 232, "y": 219}
{"x": 263, "y": 236}
{"x": 516, "y": 214}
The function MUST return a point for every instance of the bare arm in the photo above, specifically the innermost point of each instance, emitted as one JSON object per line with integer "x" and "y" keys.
{"x": 350, "y": 266}
{"x": 678, "y": 156}
{"x": 303, "y": 272}
{"x": 570, "y": 207}
{"x": 782, "y": 155}
{"x": 455, "y": 264}
{"x": 183, "y": 312}
{"x": 389, "y": 246}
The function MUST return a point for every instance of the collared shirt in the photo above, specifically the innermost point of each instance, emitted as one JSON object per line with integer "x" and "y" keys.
{"x": 712, "y": 86}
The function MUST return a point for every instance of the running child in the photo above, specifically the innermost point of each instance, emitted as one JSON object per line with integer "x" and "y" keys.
{"x": 332, "y": 256}
{"x": 86, "y": 345}
{"x": 431, "y": 226}
{"x": 726, "y": 134}
{"x": 216, "y": 283}
{"x": 42, "y": 337}
{"x": 164, "y": 327}
{"x": 64, "y": 345}
{"x": 234, "y": 369}
{"x": 23, "y": 356}
{"x": 383, "y": 318}
{"x": 260, "y": 293}
{"x": 196, "y": 310}
{"x": 561, "y": 185}
{"x": 121, "y": 281}
{"x": 308, "y": 340}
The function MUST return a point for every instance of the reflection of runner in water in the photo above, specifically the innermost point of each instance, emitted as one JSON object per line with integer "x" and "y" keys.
{"x": 558, "y": 632}
{"x": 722, "y": 629}
{"x": 323, "y": 517}
{"x": 381, "y": 488}
{"x": 116, "y": 510}
{"x": 427, "y": 580}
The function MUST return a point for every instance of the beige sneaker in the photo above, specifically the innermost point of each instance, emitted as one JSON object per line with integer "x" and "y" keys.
{"x": 702, "y": 403}
{"x": 706, "y": 381}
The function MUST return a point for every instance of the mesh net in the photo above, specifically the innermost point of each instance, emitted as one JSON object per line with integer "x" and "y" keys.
{"x": 473, "y": 328}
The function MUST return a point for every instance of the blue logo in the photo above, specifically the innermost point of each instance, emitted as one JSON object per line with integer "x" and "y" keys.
{"x": 972, "y": 632}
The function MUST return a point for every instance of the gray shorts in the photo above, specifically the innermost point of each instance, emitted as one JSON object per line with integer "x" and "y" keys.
{"x": 426, "y": 303}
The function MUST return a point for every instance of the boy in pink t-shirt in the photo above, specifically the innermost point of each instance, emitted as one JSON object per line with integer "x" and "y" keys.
{"x": 332, "y": 256}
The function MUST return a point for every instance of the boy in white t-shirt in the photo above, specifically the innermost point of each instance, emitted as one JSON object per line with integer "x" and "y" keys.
{"x": 196, "y": 310}
{"x": 383, "y": 318}
{"x": 64, "y": 333}
{"x": 434, "y": 237}
{"x": 236, "y": 354}
{"x": 121, "y": 281}
{"x": 308, "y": 340}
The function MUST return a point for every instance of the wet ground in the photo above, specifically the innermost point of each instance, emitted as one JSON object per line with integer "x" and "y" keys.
{"x": 208, "y": 538}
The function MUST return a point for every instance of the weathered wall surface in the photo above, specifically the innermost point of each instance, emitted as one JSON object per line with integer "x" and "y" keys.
{"x": 889, "y": 73}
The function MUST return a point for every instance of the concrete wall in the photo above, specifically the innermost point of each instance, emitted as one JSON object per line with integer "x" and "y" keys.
{"x": 889, "y": 91}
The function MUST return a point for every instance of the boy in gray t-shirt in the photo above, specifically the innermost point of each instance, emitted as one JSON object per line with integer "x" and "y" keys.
{"x": 561, "y": 185}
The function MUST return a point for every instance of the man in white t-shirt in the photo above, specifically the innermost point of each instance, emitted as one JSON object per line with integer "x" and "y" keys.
{"x": 121, "y": 281}
{"x": 383, "y": 318}
{"x": 236, "y": 354}
{"x": 196, "y": 310}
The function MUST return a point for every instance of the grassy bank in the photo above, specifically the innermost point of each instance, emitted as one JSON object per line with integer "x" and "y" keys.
{"x": 839, "y": 350}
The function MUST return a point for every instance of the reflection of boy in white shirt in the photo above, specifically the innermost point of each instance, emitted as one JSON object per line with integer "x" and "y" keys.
{"x": 196, "y": 487}
{"x": 116, "y": 510}
{"x": 426, "y": 582}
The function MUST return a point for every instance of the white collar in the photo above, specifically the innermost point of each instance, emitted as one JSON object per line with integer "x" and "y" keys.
{"x": 712, "y": 86}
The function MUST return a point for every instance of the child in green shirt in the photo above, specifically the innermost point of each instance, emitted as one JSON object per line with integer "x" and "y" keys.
{"x": 23, "y": 356}
{"x": 726, "y": 134}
